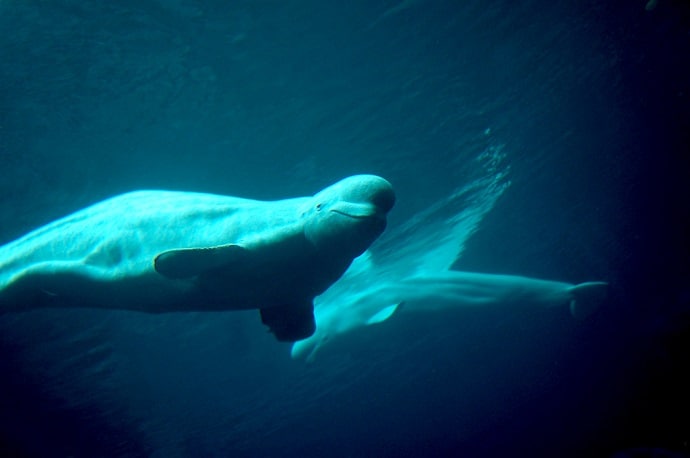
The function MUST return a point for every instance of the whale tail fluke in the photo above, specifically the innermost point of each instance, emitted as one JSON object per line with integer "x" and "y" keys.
{"x": 587, "y": 297}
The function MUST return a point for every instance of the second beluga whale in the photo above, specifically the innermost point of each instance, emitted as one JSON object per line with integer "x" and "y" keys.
{"x": 410, "y": 270}
{"x": 165, "y": 251}
{"x": 446, "y": 290}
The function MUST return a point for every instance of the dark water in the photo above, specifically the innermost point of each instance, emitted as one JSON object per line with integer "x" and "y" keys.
{"x": 588, "y": 101}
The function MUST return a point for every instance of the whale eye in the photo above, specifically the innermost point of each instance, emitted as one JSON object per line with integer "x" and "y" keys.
{"x": 318, "y": 207}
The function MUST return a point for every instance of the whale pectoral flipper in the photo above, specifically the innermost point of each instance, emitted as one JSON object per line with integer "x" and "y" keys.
{"x": 189, "y": 262}
{"x": 290, "y": 323}
{"x": 383, "y": 314}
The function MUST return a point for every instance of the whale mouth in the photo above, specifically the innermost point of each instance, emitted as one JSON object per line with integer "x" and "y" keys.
{"x": 355, "y": 211}
{"x": 355, "y": 215}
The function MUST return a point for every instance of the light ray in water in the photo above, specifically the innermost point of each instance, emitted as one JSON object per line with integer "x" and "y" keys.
{"x": 428, "y": 243}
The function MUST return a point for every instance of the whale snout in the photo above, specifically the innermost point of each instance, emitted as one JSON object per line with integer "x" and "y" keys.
{"x": 369, "y": 189}
{"x": 365, "y": 197}
{"x": 350, "y": 214}
{"x": 382, "y": 194}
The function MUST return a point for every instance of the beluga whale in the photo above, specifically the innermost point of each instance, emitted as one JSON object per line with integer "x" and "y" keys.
{"x": 169, "y": 251}
{"x": 438, "y": 291}
{"x": 411, "y": 270}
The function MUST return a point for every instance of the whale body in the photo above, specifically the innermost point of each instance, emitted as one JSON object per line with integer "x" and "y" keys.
{"x": 167, "y": 251}
{"x": 445, "y": 290}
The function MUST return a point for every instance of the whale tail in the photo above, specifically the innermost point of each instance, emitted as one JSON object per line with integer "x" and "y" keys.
{"x": 587, "y": 297}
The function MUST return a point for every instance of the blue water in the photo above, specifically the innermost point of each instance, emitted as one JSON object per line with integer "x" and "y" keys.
{"x": 583, "y": 106}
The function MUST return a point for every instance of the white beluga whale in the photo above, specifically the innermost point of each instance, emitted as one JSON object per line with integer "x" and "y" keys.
{"x": 166, "y": 251}
{"x": 410, "y": 270}
{"x": 446, "y": 290}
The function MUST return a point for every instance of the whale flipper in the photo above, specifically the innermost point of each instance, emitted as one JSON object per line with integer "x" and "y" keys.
{"x": 290, "y": 323}
{"x": 383, "y": 314}
{"x": 189, "y": 262}
{"x": 587, "y": 297}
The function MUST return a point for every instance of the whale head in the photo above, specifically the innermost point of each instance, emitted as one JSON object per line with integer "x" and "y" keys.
{"x": 336, "y": 315}
{"x": 349, "y": 215}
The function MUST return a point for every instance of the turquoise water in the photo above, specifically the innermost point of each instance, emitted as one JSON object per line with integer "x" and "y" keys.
{"x": 552, "y": 133}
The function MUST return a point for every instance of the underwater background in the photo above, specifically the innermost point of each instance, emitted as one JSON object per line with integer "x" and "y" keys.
{"x": 557, "y": 130}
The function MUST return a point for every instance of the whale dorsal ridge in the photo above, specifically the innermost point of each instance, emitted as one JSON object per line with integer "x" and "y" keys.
{"x": 189, "y": 262}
